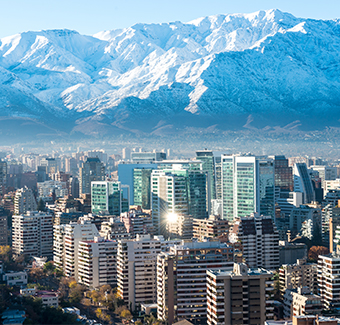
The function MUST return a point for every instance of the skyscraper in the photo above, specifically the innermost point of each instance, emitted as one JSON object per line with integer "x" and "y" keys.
{"x": 303, "y": 183}
{"x": 177, "y": 191}
{"x": 92, "y": 170}
{"x": 247, "y": 186}
{"x": 208, "y": 165}
{"x": 142, "y": 187}
{"x": 3, "y": 177}
{"x": 283, "y": 173}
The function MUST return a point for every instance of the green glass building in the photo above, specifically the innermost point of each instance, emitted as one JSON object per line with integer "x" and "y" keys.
{"x": 142, "y": 187}
{"x": 247, "y": 186}
{"x": 106, "y": 198}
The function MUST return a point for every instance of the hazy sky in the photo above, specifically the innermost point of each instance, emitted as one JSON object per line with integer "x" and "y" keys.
{"x": 91, "y": 16}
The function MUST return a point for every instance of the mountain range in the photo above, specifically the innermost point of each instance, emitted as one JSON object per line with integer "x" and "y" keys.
{"x": 266, "y": 70}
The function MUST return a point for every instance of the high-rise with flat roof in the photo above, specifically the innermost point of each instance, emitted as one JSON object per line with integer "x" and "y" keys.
{"x": 329, "y": 289}
{"x": 142, "y": 187}
{"x": 239, "y": 296}
{"x": 24, "y": 201}
{"x": 283, "y": 173}
{"x": 97, "y": 262}
{"x": 3, "y": 227}
{"x": 66, "y": 244}
{"x": 208, "y": 165}
{"x": 106, "y": 198}
{"x": 136, "y": 269}
{"x": 247, "y": 186}
{"x": 32, "y": 234}
{"x": 92, "y": 170}
{"x": 3, "y": 177}
{"x": 181, "y": 279}
{"x": 303, "y": 183}
{"x": 259, "y": 239}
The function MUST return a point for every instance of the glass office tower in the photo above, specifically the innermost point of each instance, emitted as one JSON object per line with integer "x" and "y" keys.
{"x": 247, "y": 186}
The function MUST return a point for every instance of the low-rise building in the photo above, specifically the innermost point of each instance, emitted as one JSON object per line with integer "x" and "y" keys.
{"x": 15, "y": 278}
{"x": 48, "y": 298}
{"x": 179, "y": 226}
{"x": 291, "y": 252}
{"x": 136, "y": 221}
{"x": 314, "y": 320}
{"x": 301, "y": 301}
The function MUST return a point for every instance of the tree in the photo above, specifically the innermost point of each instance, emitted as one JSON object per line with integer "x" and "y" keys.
{"x": 102, "y": 315}
{"x": 49, "y": 268}
{"x": 76, "y": 293}
{"x": 315, "y": 251}
{"x": 5, "y": 253}
{"x": 35, "y": 274}
{"x": 125, "y": 314}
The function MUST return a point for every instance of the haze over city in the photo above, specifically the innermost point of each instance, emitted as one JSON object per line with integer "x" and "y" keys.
{"x": 170, "y": 163}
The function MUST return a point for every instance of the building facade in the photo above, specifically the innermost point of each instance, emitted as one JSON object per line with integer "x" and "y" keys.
{"x": 181, "y": 279}
{"x": 247, "y": 186}
{"x": 92, "y": 170}
{"x": 259, "y": 239}
{"x": 239, "y": 296}
{"x": 32, "y": 234}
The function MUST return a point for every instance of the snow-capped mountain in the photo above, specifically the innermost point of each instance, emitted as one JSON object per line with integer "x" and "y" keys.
{"x": 267, "y": 68}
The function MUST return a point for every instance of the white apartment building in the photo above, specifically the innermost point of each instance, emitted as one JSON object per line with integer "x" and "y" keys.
{"x": 181, "y": 278}
{"x": 97, "y": 262}
{"x": 239, "y": 296}
{"x": 24, "y": 201}
{"x": 66, "y": 244}
{"x": 259, "y": 239}
{"x": 113, "y": 229}
{"x": 329, "y": 281}
{"x": 137, "y": 222}
{"x": 301, "y": 301}
{"x": 298, "y": 275}
{"x": 15, "y": 278}
{"x": 47, "y": 188}
{"x": 136, "y": 269}
{"x": 180, "y": 227}
{"x": 32, "y": 234}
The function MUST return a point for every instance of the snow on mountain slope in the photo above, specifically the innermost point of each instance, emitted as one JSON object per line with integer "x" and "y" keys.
{"x": 267, "y": 62}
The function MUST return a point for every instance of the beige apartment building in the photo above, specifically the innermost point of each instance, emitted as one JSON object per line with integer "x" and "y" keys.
{"x": 66, "y": 244}
{"x": 239, "y": 296}
{"x": 212, "y": 227}
{"x": 136, "y": 269}
{"x": 97, "y": 262}
{"x": 181, "y": 279}
{"x": 298, "y": 275}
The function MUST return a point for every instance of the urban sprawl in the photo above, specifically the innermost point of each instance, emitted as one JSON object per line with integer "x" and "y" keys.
{"x": 149, "y": 238}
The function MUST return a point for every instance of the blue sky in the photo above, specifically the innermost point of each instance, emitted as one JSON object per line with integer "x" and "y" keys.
{"x": 90, "y": 17}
